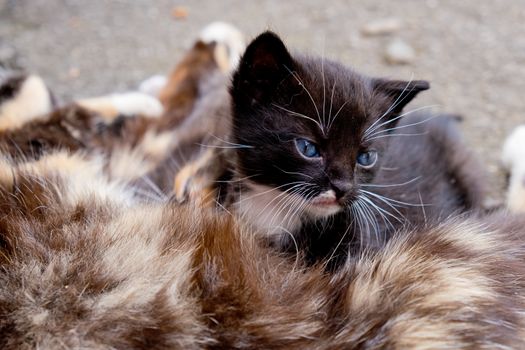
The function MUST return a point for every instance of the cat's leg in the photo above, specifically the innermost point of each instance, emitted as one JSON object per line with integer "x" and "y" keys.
{"x": 216, "y": 51}
{"x": 123, "y": 104}
{"x": 513, "y": 158}
{"x": 195, "y": 97}
{"x": 219, "y": 47}
{"x": 197, "y": 180}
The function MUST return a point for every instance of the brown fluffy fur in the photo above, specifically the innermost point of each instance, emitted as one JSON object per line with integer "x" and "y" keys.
{"x": 84, "y": 266}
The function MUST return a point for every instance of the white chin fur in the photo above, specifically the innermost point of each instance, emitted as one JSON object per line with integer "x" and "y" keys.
{"x": 316, "y": 210}
{"x": 264, "y": 208}
{"x": 32, "y": 101}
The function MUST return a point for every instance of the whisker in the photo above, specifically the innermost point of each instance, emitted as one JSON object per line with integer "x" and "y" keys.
{"x": 338, "y": 244}
{"x": 287, "y": 195}
{"x": 293, "y": 200}
{"x": 154, "y": 187}
{"x": 224, "y": 147}
{"x": 236, "y": 180}
{"x": 296, "y": 114}
{"x": 336, "y": 114}
{"x": 373, "y": 220}
{"x": 422, "y": 206}
{"x": 402, "y": 126}
{"x": 324, "y": 88}
{"x": 292, "y": 172}
{"x": 382, "y": 210}
{"x": 395, "y": 135}
{"x": 394, "y": 200}
{"x": 394, "y": 105}
{"x": 275, "y": 188}
{"x": 392, "y": 185}
{"x": 331, "y": 103}
{"x": 370, "y": 131}
{"x": 296, "y": 263}
{"x": 228, "y": 142}
{"x": 296, "y": 76}
{"x": 385, "y": 219}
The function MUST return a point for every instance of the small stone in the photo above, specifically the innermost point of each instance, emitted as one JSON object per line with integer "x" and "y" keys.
{"x": 73, "y": 73}
{"x": 399, "y": 52}
{"x": 179, "y": 12}
{"x": 8, "y": 55}
{"x": 382, "y": 27}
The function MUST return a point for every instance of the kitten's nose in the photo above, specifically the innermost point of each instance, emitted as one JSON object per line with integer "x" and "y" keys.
{"x": 341, "y": 187}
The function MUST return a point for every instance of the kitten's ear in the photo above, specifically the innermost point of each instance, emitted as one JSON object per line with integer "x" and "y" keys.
{"x": 264, "y": 65}
{"x": 401, "y": 92}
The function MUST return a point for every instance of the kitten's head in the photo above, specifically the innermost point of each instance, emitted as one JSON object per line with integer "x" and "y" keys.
{"x": 311, "y": 127}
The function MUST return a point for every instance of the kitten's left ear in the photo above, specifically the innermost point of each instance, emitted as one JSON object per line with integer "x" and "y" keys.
{"x": 264, "y": 65}
{"x": 401, "y": 92}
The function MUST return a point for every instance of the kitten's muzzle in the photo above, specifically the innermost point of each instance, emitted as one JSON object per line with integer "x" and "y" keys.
{"x": 341, "y": 188}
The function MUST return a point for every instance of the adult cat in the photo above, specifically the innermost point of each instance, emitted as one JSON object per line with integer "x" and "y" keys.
{"x": 83, "y": 266}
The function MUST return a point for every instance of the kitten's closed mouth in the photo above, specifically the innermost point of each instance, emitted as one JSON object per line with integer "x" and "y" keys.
{"x": 325, "y": 204}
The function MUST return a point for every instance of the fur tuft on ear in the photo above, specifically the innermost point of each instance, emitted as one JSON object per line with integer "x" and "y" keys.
{"x": 264, "y": 65}
{"x": 401, "y": 92}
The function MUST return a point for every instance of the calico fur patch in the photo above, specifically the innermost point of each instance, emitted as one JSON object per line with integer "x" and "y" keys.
{"x": 85, "y": 267}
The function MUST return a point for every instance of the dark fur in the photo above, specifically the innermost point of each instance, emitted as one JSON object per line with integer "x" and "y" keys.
{"x": 10, "y": 86}
{"x": 269, "y": 79}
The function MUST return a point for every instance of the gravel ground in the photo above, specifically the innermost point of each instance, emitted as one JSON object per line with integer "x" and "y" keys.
{"x": 473, "y": 51}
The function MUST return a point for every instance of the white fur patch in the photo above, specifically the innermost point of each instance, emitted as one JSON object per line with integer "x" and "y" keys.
{"x": 277, "y": 213}
{"x": 227, "y": 35}
{"x": 513, "y": 158}
{"x": 137, "y": 103}
{"x": 32, "y": 101}
{"x": 321, "y": 206}
{"x": 269, "y": 210}
{"x": 514, "y": 149}
{"x": 153, "y": 85}
{"x": 128, "y": 104}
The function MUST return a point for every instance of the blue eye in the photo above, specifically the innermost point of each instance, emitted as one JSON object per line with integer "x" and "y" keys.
{"x": 307, "y": 148}
{"x": 367, "y": 159}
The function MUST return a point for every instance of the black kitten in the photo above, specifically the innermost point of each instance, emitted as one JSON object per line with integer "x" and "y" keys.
{"x": 310, "y": 137}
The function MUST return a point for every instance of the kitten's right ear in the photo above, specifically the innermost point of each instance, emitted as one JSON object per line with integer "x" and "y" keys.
{"x": 264, "y": 65}
{"x": 401, "y": 92}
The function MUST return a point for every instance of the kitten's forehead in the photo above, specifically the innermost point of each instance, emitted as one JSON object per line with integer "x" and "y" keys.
{"x": 338, "y": 92}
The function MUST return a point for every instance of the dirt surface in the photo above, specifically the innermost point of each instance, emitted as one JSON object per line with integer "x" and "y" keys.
{"x": 473, "y": 51}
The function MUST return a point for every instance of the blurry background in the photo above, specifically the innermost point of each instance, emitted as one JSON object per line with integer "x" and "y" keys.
{"x": 472, "y": 51}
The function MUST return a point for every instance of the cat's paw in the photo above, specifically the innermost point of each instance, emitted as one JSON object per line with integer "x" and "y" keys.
{"x": 195, "y": 181}
{"x": 513, "y": 154}
{"x": 124, "y": 104}
{"x": 230, "y": 43}
{"x": 189, "y": 186}
{"x": 513, "y": 158}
